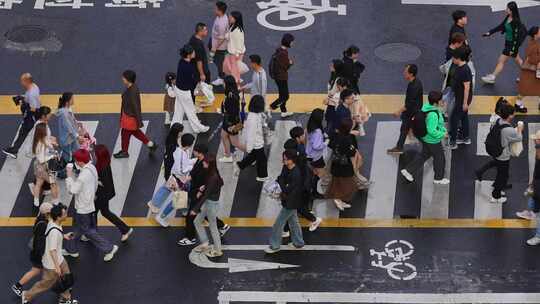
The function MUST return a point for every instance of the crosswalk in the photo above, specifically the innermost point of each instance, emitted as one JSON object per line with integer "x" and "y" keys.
{"x": 389, "y": 197}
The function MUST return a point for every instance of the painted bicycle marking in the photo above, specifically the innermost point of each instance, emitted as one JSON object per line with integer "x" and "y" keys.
{"x": 395, "y": 253}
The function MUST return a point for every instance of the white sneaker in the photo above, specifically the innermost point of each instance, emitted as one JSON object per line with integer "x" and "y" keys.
{"x": 153, "y": 209}
{"x": 262, "y": 179}
{"x": 162, "y": 221}
{"x": 286, "y": 114}
{"x": 313, "y": 226}
{"x": 269, "y": 250}
{"x": 226, "y": 159}
{"x": 346, "y": 206}
{"x": 204, "y": 129}
{"x": 187, "y": 242}
{"x": 526, "y": 215}
{"x": 444, "y": 181}
{"x": 339, "y": 204}
{"x": 218, "y": 82}
{"x": 202, "y": 248}
{"x": 285, "y": 234}
{"x": 501, "y": 200}
{"x": 84, "y": 238}
{"x": 109, "y": 256}
{"x": 489, "y": 79}
{"x": 535, "y": 241}
{"x": 126, "y": 236}
{"x": 408, "y": 176}
{"x": 66, "y": 253}
{"x": 224, "y": 230}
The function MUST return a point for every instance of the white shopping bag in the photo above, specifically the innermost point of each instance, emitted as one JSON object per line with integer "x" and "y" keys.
{"x": 205, "y": 90}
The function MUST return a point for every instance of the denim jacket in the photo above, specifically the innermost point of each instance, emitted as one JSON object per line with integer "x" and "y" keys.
{"x": 67, "y": 127}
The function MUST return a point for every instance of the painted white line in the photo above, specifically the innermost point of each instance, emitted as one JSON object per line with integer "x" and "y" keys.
{"x": 268, "y": 207}
{"x": 482, "y": 133}
{"x": 384, "y": 167}
{"x": 496, "y": 5}
{"x": 287, "y": 248}
{"x": 401, "y": 298}
{"x": 483, "y": 209}
{"x": 123, "y": 170}
{"x": 235, "y": 265}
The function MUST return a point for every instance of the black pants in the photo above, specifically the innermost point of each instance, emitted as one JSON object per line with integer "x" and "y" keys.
{"x": 26, "y": 126}
{"x": 102, "y": 205}
{"x": 219, "y": 57}
{"x": 305, "y": 213}
{"x": 256, "y": 155}
{"x": 403, "y": 132}
{"x": 283, "y": 91}
{"x": 503, "y": 170}
{"x": 190, "y": 232}
{"x": 459, "y": 116}
{"x": 491, "y": 164}
{"x": 430, "y": 150}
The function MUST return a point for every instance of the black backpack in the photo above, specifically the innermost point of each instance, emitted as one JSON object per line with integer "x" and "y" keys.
{"x": 493, "y": 144}
{"x": 418, "y": 123}
{"x": 272, "y": 65}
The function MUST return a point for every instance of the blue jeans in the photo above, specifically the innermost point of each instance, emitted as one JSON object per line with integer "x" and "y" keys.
{"x": 159, "y": 200}
{"x": 291, "y": 217}
{"x": 68, "y": 149}
{"x": 209, "y": 210}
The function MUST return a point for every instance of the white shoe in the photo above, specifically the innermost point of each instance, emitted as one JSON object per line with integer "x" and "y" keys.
{"x": 163, "y": 222}
{"x": 535, "y": 241}
{"x": 187, "y": 242}
{"x": 313, "y": 226}
{"x": 126, "y": 236}
{"x": 501, "y": 200}
{"x": 226, "y": 159}
{"x": 339, "y": 204}
{"x": 218, "y": 82}
{"x": 346, "y": 206}
{"x": 66, "y": 253}
{"x": 204, "y": 129}
{"x": 285, "y": 234}
{"x": 526, "y": 215}
{"x": 262, "y": 179}
{"x": 198, "y": 109}
{"x": 408, "y": 176}
{"x": 286, "y": 114}
{"x": 269, "y": 250}
{"x": 109, "y": 256}
{"x": 444, "y": 181}
{"x": 489, "y": 79}
{"x": 84, "y": 238}
{"x": 202, "y": 248}
{"x": 153, "y": 209}
{"x": 167, "y": 118}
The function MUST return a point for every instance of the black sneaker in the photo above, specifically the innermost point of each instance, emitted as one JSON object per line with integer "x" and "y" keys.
{"x": 521, "y": 109}
{"x": 121, "y": 154}
{"x": 68, "y": 301}
{"x": 10, "y": 152}
{"x": 224, "y": 230}
{"x": 16, "y": 289}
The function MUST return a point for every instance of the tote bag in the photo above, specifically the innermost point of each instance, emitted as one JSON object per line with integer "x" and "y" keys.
{"x": 180, "y": 199}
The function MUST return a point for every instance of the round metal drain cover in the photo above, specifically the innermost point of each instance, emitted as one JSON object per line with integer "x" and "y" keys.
{"x": 398, "y": 52}
{"x": 27, "y": 34}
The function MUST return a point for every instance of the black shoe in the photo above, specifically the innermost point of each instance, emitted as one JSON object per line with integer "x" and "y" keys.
{"x": 521, "y": 109}
{"x": 10, "y": 152}
{"x": 16, "y": 289}
{"x": 121, "y": 154}
{"x": 478, "y": 175}
{"x": 66, "y": 301}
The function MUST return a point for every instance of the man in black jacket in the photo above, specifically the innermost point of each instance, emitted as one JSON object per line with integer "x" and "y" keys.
{"x": 413, "y": 104}
{"x": 292, "y": 196}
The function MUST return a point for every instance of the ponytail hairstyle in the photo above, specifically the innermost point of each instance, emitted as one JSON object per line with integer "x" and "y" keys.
{"x": 533, "y": 31}
{"x": 353, "y": 49}
{"x": 513, "y": 7}
{"x": 64, "y": 99}
{"x": 169, "y": 78}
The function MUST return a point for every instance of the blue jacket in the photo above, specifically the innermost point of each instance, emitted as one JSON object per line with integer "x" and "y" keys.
{"x": 67, "y": 127}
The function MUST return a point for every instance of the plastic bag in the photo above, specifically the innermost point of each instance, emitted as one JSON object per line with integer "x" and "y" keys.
{"x": 205, "y": 90}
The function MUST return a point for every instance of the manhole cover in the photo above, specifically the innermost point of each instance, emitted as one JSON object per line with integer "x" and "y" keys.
{"x": 398, "y": 52}
{"x": 27, "y": 34}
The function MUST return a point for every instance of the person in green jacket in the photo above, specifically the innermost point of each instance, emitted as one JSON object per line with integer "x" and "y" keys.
{"x": 431, "y": 143}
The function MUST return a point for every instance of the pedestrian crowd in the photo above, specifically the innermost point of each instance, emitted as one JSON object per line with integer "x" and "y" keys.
{"x": 321, "y": 161}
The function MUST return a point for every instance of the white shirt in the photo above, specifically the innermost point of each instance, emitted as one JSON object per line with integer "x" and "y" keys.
{"x": 53, "y": 242}
{"x": 258, "y": 84}
{"x": 84, "y": 189}
{"x": 43, "y": 151}
{"x": 182, "y": 162}
{"x": 32, "y": 97}
{"x": 235, "y": 42}
{"x": 253, "y": 131}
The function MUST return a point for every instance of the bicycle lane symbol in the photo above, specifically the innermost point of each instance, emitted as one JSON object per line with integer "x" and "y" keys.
{"x": 301, "y": 11}
{"x": 395, "y": 253}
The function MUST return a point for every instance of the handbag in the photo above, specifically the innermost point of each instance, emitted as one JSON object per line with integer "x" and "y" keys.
{"x": 516, "y": 148}
{"x": 242, "y": 67}
{"x": 56, "y": 164}
{"x": 205, "y": 90}
{"x": 180, "y": 199}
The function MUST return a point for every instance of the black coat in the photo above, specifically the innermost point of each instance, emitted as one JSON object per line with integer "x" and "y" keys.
{"x": 105, "y": 191}
{"x": 293, "y": 192}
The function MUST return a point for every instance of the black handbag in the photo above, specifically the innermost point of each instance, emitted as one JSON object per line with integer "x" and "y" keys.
{"x": 56, "y": 164}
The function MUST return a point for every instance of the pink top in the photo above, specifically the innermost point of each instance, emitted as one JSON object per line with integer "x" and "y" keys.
{"x": 219, "y": 30}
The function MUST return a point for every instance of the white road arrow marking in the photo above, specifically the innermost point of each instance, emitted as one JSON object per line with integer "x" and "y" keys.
{"x": 235, "y": 265}
{"x": 287, "y": 248}
{"x": 496, "y": 5}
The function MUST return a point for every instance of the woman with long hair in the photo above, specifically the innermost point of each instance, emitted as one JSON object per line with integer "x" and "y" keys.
{"x": 68, "y": 135}
{"x": 352, "y": 68}
{"x": 511, "y": 27}
{"x": 236, "y": 47}
{"x": 232, "y": 123}
{"x": 131, "y": 116}
{"x": 186, "y": 81}
{"x": 44, "y": 150}
{"x": 254, "y": 138}
{"x": 170, "y": 97}
{"x": 207, "y": 206}
{"x": 529, "y": 84}
{"x": 105, "y": 191}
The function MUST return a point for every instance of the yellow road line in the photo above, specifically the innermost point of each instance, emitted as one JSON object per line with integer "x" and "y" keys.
{"x": 329, "y": 223}
{"x": 153, "y": 103}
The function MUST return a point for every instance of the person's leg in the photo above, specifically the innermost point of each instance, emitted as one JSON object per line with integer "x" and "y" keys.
{"x": 226, "y": 143}
{"x": 212, "y": 211}
{"x": 198, "y": 223}
{"x": 194, "y": 121}
{"x": 500, "y": 65}
{"x": 247, "y": 160}
{"x": 29, "y": 275}
{"x": 169, "y": 208}
{"x": 454, "y": 122}
{"x": 125, "y": 135}
{"x": 235, "y": 141}
{"x": 403, "y": 132}
{"x": 277, "y": 228}
{"x": 88, "y": 226}
{"x": 518, "y": 60}
{"x": 501, "y": 179}
{"x": 26, "y": 126}
{"x": 66, "y": 295}
{"x": 262, "y": 163}
{"x": 220, "y": 223}
{"x": 190, "y": 232}
{"x": 160, "y": 197}
{"x": 72, "y": 246}
{"x": 284, "y": 95}
{"x": 279, "y": 100}
{"x": 219, "y": 57}
{"x": 419, "y": 160}
{"x": 305, "y": 213}
{"x": 439, "y": 161}
{"x": 296, "y": 230}
{"x": 102, "y": 206}
{"x": 55, "y": 193}
{"x": 48, "y": 279}
{"x": 480, "y": 172}
{"x": 141, "y": 136}
{"x": 37, "y": 190}
{"x": 235, "y": 72}
{"x": 465, "y": 125}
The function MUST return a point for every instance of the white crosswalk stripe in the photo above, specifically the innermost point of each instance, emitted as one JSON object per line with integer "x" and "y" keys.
{"x": 483, "y": 209}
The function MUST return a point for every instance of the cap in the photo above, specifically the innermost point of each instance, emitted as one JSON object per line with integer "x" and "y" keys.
{"x": 536, "y": 136}
{"x": 82, "y": 156}
{"x": 45, "y": 208}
